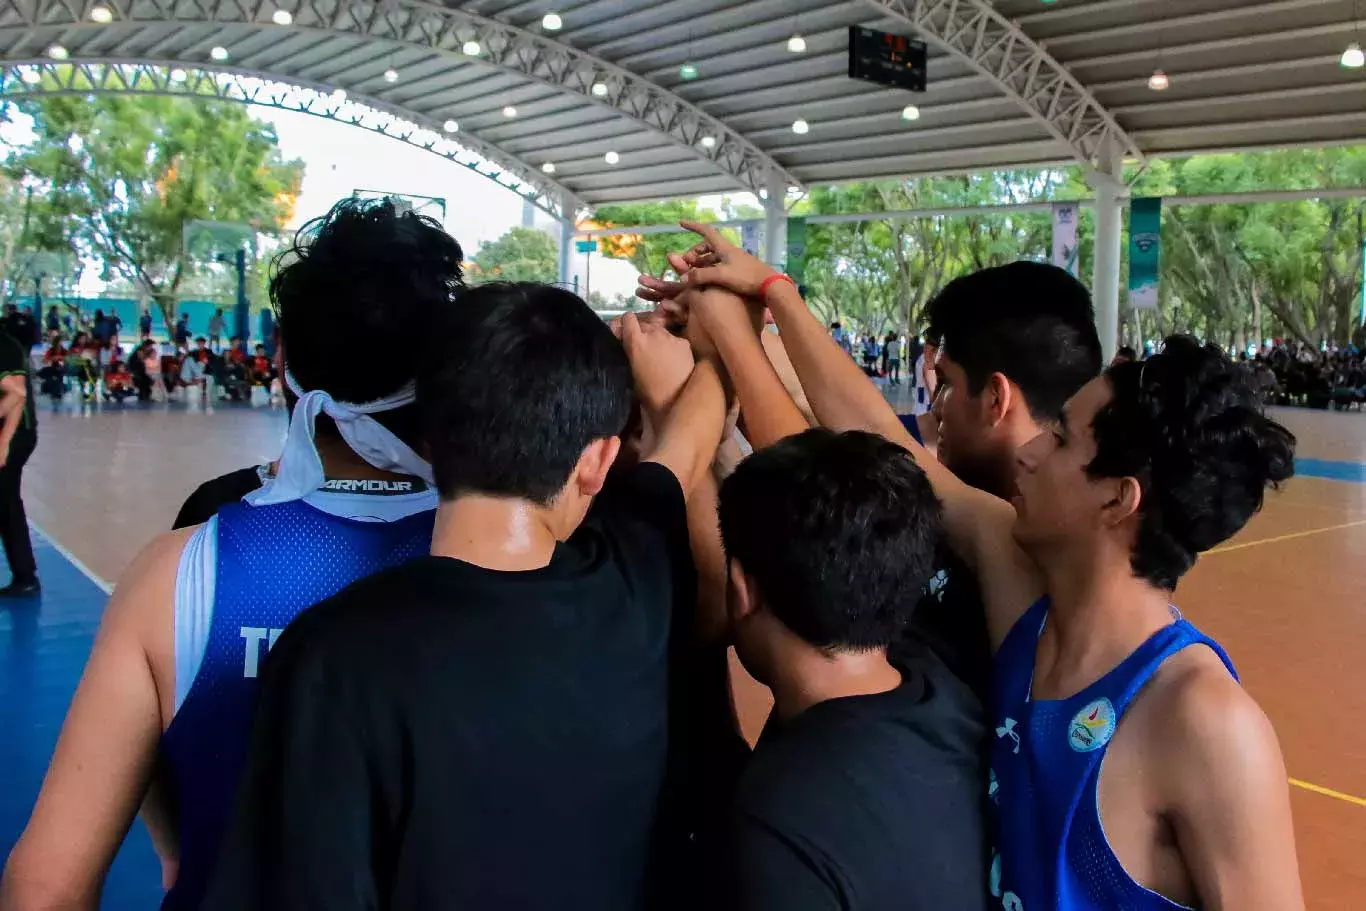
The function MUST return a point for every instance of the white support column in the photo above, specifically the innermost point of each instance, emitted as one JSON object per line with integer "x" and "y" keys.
{"x": 775, "y": 223}
{"x": 566, "y": 240}
{"x": 1110, "y": 191}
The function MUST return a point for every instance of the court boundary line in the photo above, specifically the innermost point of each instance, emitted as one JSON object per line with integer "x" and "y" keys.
{"x": 1328, "y": 792}
{"x": 1290, "y": 537}
{"x": 71, "y": 558}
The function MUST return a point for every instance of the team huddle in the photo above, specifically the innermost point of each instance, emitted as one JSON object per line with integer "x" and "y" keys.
{"x": 466, "y": 642}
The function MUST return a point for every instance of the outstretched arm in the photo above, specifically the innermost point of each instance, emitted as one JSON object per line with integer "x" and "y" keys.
{"x": 979, "y": 525}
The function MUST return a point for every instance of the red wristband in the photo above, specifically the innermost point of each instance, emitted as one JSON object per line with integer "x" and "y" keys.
{"x": 771, "y": 281}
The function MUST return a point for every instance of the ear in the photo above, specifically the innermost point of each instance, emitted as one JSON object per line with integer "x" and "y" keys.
{"x": 744, "y": 596}
{"x": 594, "y": 463}
{"x": 998, "y": 395}
{"x": 1123, "y": 500}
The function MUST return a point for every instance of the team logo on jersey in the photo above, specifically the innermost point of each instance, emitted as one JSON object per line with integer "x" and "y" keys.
{"x": 375, "y": 487}
{"x": 1008, "y": 730}
{"x": 1092, "y": 727}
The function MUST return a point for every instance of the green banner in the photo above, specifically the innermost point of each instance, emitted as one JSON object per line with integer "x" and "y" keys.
{"x": 796, "y": 249}
{"x": 1145, "y": 252}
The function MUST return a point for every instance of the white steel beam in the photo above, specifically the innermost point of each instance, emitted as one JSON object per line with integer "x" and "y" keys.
{"x": 998, "y": 49}
{"x": 40, "y": 78}
{"x": 445, "y": 30}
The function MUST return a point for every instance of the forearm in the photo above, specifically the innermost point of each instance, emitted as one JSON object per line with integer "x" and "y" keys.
{"x": 768, "y": 411}
{"x": 689, "y": 432}
{"x": 704, "y": 535}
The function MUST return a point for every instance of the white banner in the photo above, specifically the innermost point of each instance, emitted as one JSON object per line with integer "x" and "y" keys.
{"x": 1065, "y": 217}
{"x": 749, "y": 237}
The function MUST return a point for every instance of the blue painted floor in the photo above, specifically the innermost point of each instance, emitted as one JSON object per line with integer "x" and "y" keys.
{"x": 1332, "y": 471}
{"x": 43, "y": 647}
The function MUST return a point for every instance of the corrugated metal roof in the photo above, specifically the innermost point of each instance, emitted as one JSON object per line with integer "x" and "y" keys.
{"x": 1244, "y": 74}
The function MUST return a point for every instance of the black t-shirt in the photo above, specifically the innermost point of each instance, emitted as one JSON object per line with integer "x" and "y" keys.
{"x": 867, "y": 803}
{"x": 441, "y": 735}
{"x": 14, "y": 361}
{"x": 212, "y": 496}
{"x": 951, "y": 618}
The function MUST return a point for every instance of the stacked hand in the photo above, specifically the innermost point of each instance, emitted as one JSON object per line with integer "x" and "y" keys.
{"x": 661, "y": 362}
{"x": 716, "y": 275}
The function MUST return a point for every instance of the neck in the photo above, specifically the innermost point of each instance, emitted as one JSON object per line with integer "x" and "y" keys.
{"x": 1099, "y": 613}
{"x": 340, "y": 462}
{"x": 498, "y": 533}
{"x": 809, "y": 677}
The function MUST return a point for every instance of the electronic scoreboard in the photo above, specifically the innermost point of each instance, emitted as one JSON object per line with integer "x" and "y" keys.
{"x": 886, "y": 59}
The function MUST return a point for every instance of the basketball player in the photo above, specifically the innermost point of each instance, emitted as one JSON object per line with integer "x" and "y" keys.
{"x": 172, "y": 676}
{"x": 1129, "y": 769}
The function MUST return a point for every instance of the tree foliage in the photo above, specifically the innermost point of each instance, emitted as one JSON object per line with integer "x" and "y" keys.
{"x": 120, "y": 177}
{"x": 520, "y": 255}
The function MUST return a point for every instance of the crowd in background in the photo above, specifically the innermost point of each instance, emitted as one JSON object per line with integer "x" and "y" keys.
{"x": 1299, "y": 375}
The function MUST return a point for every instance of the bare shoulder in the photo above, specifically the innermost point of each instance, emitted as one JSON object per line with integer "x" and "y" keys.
{"x": 1214, "y": 735}
{"x": 144, "y": 598}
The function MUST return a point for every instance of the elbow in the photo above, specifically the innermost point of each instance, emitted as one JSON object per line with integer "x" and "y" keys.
{"x": 30, "y": 885}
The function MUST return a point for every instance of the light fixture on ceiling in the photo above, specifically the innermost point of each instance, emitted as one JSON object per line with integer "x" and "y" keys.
{"x": 1354, "y": 58}
{"x": 339, "y": 96}
{"x": 178, "y": 75}
{"x": 1159, "y": 81}
{"x": 391, "y": 75}
{"x": 708, "y": 142}
{"x": 611, "y": 158}
{"x": 801, "y": 127}
{"x": 472, "y": 48}
{"x": 101, "y": 14}
{"x": 450, "y": 126}
{"x": 552, "y": 22}
{"x": 509, "y": 111}
{"x": 600, "y": 89}
{"x": 910, "y": 112}
{"x": 31, "y": 76}
{"x": 687, "y": 72}
{"x": 282, "y": 17}
{"x": 548, "y": 168}
{"x": 796, "y": 44}
{"x": 57, "y": 52}
{"x": 219, "y": 53}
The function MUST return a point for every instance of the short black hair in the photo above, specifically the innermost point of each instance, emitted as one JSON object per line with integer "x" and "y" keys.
{"x": 367, "y": 276}
{"x": 520, "y": 379}
{"x": 1188, "y": 425}
{"x": 1126, "y": 351}
{"x": 838, "y": 531}
{"x": 1032, "y": 322}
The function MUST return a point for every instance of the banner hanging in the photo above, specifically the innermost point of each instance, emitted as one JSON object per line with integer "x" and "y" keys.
{"x": 1145, "y": 252}
{"x": 796, "y": 250}
{"x": 749, "y": 237}
{"x": 1065, "y": 250}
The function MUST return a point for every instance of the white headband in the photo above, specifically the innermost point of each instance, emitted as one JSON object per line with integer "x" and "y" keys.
{"x": 300, "y": 469}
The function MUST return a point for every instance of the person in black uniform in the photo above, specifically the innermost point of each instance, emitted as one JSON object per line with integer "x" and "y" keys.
{"x": 18, "y": 438}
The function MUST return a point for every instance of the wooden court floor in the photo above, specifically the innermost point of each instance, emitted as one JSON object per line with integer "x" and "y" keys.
{"x": 1287, "y": 597}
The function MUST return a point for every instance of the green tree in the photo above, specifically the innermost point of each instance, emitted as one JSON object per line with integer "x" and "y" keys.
{"x": 123, "y": 175}
{"x": 520, "y": 255}
{"x": 649, "y": 252}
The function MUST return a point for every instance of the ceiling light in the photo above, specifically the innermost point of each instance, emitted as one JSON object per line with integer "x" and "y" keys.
{"x": 1353, "y": 58}
{"x": 450, "y": 126}
{"x": 509, "y": 111}
{"x": 910, "y": 112}
{"x": 687, "y": 72}
{"x": 472, "y": 48}
{"x": 219, "y": 53}
{"x": 801, "y": 127}
{"x": 708, "y": 142}
{"x": 552, "y": 22}
{"x": 178, "y": 75}
{"x": 548, "y": 168}
{"x": 31, "y": 76}
{"x": 391, "y": 75}
{"x": 101, "y": 14}
{"x": 611, "y": 158}
{"x": 57, "y": 52}
{"x": 282, "y": 17}
{"x": 600, "y": 89}
{"x": 1158, "y": 81}
{"x": 339, "y": 96}
{"x": 796, "y": 44}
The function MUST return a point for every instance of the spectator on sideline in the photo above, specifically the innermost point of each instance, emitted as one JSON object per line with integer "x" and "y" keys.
{"x": 145, "y": 324}
{"x": 181, "y": 337}
{"x": 564, "y": 597}
{"x": 891, "y": 355}
{"x": 171, "y": 681}
{"x": 216, "y": 325}
{"x": 18, "y": 439}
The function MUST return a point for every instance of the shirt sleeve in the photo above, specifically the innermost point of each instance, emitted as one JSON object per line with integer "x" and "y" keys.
{"x": 648, "y": 493}
{"x": 12, "y": 358}
{"x": 301, "y": 837}
{"x": 771, "y": 872}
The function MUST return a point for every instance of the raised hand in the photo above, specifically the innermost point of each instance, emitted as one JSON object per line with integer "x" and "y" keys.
{"x": 660, "y": 361}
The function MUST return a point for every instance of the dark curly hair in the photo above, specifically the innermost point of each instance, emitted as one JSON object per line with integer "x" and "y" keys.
{"x": 838, "y": 531}
{"x": 367, "y": 276}
{"x": 1187, "y": 424}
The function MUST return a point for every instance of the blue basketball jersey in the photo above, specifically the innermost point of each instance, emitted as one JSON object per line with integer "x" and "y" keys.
{"x": 272, "y": 562}
{"x": 1045, "y": 768}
